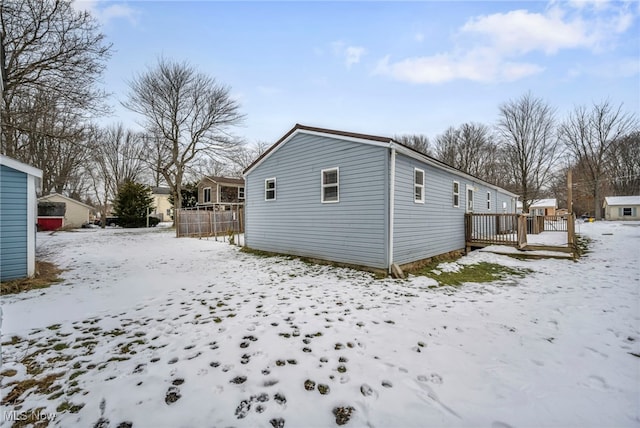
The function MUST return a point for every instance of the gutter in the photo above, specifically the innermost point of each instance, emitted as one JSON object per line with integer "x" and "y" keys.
{"x": 392, "y": 195}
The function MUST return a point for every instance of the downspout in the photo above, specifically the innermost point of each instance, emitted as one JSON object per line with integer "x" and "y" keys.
{"x": 392, "y": 196}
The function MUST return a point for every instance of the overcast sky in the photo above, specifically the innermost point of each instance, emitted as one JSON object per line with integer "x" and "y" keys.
{"x": 383, "y": 68}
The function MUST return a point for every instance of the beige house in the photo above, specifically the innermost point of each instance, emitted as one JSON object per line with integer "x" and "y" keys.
{"x": 76, "y": 213}
{"x": 163, "y": 209}
{"x": 220, "y": 190}
{"x": 621, "y": 208}
{"x": 544, "y": 207}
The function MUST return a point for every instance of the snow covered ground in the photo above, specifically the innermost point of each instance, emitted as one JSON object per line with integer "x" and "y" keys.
{"x": 168, "y": 332}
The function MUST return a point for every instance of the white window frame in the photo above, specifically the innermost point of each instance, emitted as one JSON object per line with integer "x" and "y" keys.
{"x": 417, "y": 186}
{"x": 266, "y": 189}
{"x": 456, "y": 194}
{"x": 240, "y": 193}
{"x": 324, "y": 186}
{"x": 204, "y": 195}
{"x": 470, "y": 200}
{"x": 489, "y": 201}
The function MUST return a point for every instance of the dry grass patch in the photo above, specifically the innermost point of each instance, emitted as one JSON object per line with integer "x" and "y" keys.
{"x": 46, "y": 274}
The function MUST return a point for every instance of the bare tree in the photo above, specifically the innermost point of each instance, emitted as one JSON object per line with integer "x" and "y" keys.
{"x": 589, "y": 134}
{"x": 247, "y": 155}
{"x": 117, "y": 158}
{"x": 526, "y": 127}
{"x": 469, "y": 148}
{"x": 417, "y": 142}
{"x": 623, "y": 165}
{"x": 189, "y": 114}
{"x": 53, "y": 58}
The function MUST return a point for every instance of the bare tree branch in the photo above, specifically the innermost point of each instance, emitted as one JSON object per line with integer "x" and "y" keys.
{"x": 189, "y": 115}
{"x": 527, "y": 130}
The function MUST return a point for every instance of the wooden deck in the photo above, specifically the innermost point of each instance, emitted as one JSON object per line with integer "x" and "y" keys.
{"x": 483, "y": 230}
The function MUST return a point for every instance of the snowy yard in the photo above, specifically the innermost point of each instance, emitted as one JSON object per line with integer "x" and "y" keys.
{"x": 170, "y": 332}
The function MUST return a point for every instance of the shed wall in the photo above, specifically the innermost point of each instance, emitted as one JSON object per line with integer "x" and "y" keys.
{"x": 353, "y": 230}
{"x": 615, "y": 212}
{"x": 13, "y": 224}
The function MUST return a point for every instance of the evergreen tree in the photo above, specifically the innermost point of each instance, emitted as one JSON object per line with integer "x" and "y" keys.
{"x": 133, "y": 202}
{"x": 189, "y": 195}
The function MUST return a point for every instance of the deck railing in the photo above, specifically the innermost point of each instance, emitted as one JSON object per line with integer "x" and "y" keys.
{"x": 482, "y": 230}
{"x": 492, "y": 229}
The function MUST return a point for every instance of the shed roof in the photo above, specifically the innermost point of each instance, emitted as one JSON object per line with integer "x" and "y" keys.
{"x": 75, "y": 201}
{"x": 622, "y": 200}
{"x": 366, "y": 138}
{"x": 544, "y": 203}
{"x": 19, "y": 166}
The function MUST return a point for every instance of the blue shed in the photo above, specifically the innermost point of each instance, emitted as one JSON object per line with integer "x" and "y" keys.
{"x": 18, "y": 213}
{"x": 360, "y": 199}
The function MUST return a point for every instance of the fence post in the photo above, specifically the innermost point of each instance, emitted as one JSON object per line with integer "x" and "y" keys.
{"x": 215, "y": 223}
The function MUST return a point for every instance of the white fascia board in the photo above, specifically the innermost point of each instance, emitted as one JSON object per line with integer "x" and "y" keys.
{"x": 19, "y": 166}
{"x": 422, "y": 158}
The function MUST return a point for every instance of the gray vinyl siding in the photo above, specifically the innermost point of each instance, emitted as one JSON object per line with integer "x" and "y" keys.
{"x": 353, "y": 230}
{"x": 423, "y": 230}
{"x": 13, "y": 223}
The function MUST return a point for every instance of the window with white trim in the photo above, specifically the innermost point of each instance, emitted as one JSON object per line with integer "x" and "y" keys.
{"x": 418, "y": 185}
{"x": 456, "y": 194}
{"x": 627, "y": 211}
{"x": 206, "y": 195}
{"x": 330, "y": 185}
{"x": 240, "y": 193}
{"x": 489, "y": 201}
{"x": 469, "y": 199}
{"x": 270, "y": 189}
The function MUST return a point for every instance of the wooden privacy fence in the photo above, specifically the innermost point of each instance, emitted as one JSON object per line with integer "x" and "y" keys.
{"x": 215, "y": 220}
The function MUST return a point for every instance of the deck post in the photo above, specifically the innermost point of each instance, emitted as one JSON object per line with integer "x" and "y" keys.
{"x": 522, "y": 231}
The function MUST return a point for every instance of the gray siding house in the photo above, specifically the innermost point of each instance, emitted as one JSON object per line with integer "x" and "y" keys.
{"x": 18, "y": 211}
{"x": 360, "y": 199}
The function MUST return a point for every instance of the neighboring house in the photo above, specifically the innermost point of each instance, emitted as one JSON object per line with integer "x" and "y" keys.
{"x": 220, "y": 190}
{"x": 18, "y": 209}
{"x": 543, "y": 207}
{"x": 163, "y": 209}
{"x": 76, "y": 213}
{"x": 621, "y": 207}
{"x": 360, "y": 199}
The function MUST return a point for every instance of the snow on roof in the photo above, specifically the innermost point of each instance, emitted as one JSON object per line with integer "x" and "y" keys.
{"x": 541, "y": 203}
{"x": 622, "y": 200}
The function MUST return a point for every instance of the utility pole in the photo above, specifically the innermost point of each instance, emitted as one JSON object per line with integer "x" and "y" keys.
{"x": 569, "y": 193}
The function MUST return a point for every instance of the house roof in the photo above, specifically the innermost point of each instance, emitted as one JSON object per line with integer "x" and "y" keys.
{"x": 47, "y": 197}
{"x": 223, "y": 180}
{"x": 368, "y": 139}
{"x": 19, "y": 166}
{"x": 161, "y": 190}
{"x": 544, "y": 203}
{"x": 622, "y": 200}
